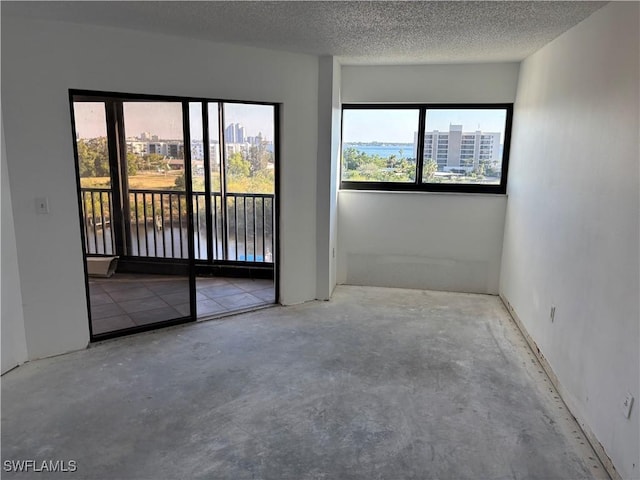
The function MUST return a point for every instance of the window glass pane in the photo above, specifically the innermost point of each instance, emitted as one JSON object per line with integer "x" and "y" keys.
{"x": 379, "y": 145}
{"x": 249, "y": 154}
{"x": 155, "y": 145}
{"x": 156, "y": 179}
{"x": 95, "y": 176}
{"x": 91, "y": 140}
{"x": 464, "y": 146}
{"x": 214, "y": 147}
{"x": 197, "y": 146}
{"x": 249, "y": 133}
{"x": 196, "y": 132}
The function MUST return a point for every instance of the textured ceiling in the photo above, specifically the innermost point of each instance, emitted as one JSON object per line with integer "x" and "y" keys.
{"x": 357, "y": 32}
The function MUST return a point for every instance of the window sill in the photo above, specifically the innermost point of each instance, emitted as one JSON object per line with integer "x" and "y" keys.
{"x": 421, "y": 192}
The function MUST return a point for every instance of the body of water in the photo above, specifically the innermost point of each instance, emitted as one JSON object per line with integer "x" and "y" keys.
{"x": 173, "y": 243}
{"x": 384, "y": 151}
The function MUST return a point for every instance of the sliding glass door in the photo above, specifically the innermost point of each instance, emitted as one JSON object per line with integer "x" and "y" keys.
{"x": 233, "y": 179}
{"x": 171, "y": 189}
{"x": 136, "y": 218}
{"x": 249, "y": 181}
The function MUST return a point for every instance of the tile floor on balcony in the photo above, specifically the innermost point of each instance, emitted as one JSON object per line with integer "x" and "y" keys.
{"x": 130, "y": 300}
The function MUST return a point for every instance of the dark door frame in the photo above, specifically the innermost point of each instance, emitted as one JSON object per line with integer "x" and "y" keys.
{"x": 117, "y": 157}
{"x": 117, "y": 152}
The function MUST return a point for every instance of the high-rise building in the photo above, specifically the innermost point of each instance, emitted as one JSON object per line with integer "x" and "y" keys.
{"x": 234, "y": 133}
{"x": 458, "y": 150}
{"x": 258, "y": 140}
{"x": 230, "y": 134}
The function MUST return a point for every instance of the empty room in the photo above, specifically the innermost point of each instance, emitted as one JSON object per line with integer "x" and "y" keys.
{"x": 318, "y": 240}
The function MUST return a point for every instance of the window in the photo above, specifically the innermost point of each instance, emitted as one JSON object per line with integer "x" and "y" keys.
{"x": 152, "y": 163}
{"x": 451, "y": 148}
{"x": 378, "y": 145}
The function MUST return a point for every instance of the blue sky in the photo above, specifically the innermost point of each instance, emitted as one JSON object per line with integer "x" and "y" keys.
{"x": 165, "y": 119}
{"x": 390, "y": 126}
{"x": 90, "y": 119}
{"x": 254, "y": 118}
{"x": 158, "y": 118}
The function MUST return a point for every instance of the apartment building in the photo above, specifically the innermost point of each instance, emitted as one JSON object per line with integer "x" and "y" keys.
{"x": 455, "y": 150}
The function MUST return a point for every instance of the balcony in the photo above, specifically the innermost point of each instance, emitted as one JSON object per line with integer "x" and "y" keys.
{"x": 154, "y": 241}
{"x": 157, "y": 225}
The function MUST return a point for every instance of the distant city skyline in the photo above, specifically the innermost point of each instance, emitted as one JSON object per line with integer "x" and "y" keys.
{"x": 164, "y": 119}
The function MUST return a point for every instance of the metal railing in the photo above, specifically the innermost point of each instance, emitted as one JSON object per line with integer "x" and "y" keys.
{"x": 158, "y": 225}
{"x": 97, "y": 214}
{"x": 250, "y": 227}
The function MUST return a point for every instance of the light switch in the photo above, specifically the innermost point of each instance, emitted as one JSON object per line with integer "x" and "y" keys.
{"x": 42, "y": 205}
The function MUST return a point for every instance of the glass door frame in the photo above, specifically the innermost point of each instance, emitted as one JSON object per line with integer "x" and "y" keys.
{"x": 117, "y": 154}
{"x": 211, "y": 259}
{"x": 118, "y": 149}
{"x": 226, "y": 266}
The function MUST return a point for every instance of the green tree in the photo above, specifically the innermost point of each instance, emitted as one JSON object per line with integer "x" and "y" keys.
{"x": 153, "y": 161}
{"x": 237, "y": 166}
{"x": 259, "y": 157}
{"x": 354, "y": 159}
{"x": 429, "y": 169}
{"x": 133, "y": 162}
{"x": 93, "y": 157}
{"x": 479, "y": 171}
{"x": 359, "y": 166}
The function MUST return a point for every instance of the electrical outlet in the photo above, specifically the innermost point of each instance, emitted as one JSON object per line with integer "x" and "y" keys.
{"x": 627, "y": 403}
{"x": 552, "y": 313}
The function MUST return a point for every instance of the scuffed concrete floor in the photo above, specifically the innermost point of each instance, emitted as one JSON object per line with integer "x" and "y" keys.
{"x": 376, "y": 384}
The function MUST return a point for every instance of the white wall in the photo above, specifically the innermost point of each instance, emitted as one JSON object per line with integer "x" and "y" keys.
{"x": 327, "y": 176}
{"x": 14, "y": 344}
{"x": 572, "y": 225}
{"x": 336, "y": 142}
{"x": 430, "y": 241}
{"x": 42, "y": 60}
{"x": 464, "y": 83}
{"x": 423, "y": 240}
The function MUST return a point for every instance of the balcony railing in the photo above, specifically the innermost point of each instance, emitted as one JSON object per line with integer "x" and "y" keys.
{"x": 158, "y": 225}
{"x": 97, "y": 214}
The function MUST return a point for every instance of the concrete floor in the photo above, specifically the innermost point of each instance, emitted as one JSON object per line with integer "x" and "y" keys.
{"x": 378, "y": 383}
